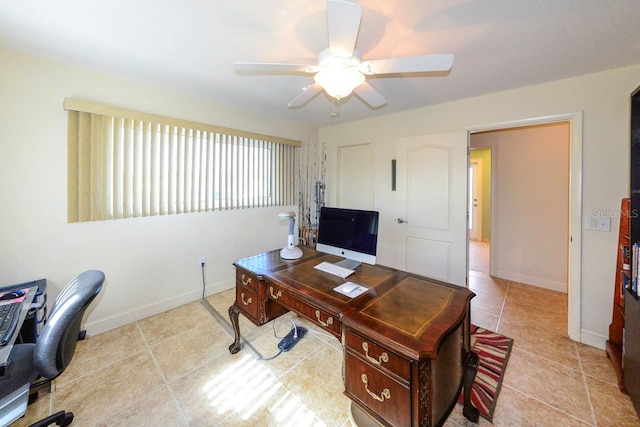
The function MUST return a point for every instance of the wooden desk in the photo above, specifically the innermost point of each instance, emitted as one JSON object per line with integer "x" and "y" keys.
{"x": 406, "y": 341}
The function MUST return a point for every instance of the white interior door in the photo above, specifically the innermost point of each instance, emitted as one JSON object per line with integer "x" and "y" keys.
{"x": 431, "y": 185}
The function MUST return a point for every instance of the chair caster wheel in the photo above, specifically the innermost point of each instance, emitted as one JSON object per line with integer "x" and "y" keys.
{"x": 68, "y": 419}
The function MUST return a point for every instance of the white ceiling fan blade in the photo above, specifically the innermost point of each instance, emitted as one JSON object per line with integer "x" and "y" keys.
{"x": 408, "y": 64}
{"x": 274, "y": 67}
{"x": 343, "y": 20}
{"x": 368, "y": 94}
{"x": 306, "y": 95}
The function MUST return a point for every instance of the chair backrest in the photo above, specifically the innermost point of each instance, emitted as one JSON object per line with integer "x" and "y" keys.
{"x": 56, "y": 344}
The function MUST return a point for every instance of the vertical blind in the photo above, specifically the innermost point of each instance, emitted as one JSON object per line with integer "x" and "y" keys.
{"x": 124, "y": 164}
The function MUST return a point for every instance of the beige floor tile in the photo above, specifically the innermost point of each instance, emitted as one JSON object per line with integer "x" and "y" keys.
{"x": 281, "y": 408}
{"x": 596, "y": 364}
{"x": 157, "y": 408}
{"x": 548, "y": 345}
{"x": 542, "y": 299}
{"x": 239, "y": 390}
{"x": 535, "y": 319}
{"x": 535, "y": 289}
{"x": 96, "y": 352}
{"x": 484, "y": 319}
{"x": 220, "y": 387}
{"x": 487, "y": 302}
{"x": 317, "y": 381}
{"x": 549, "y": 382}
{"x": 610, "y": 406}
{"x": 487, "y": 284}
{"x": 165, "y": 325}
{"x": 93, "y": 398}
{"x": 515, "y": 408}
{"x": 193, "y": 347}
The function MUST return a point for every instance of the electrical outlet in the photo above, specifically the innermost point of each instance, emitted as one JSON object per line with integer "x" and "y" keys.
{"x": 202, "y": 260}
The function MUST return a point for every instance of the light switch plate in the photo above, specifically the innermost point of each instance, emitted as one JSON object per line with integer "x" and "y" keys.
{"x": 599, "y": 223}
{"x": 604, "y": 223}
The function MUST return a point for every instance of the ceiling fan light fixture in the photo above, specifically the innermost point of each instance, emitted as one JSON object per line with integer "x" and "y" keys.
{"x": 339, "y": 82}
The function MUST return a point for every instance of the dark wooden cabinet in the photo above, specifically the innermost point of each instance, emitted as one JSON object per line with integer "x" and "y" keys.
{"x": 631, "y": 349}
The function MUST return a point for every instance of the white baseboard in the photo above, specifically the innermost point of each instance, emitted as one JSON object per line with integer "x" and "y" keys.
{"x": 530, "y": 280}
{"x": 593, "y": 339}
{"x": 156, "y": 307}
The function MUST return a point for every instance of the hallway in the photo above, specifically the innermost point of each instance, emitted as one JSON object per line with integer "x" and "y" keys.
{"x": 479, "y": 253}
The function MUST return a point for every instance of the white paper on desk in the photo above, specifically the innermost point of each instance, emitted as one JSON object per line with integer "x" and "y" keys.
{"x": 358, "y": 290}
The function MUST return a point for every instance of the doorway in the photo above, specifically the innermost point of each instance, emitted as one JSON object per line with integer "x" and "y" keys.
{"x": 479, "y": 209}
{"x": 529, "y": 242}
{"x": 574, "y": 235}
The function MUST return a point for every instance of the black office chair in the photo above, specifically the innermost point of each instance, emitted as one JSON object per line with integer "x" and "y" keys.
{"x": 32, "y": 366}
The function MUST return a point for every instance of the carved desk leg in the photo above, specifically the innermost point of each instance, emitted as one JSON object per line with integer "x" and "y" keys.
{"x": 233, "y": 315}
{"x": 470, "y": 370}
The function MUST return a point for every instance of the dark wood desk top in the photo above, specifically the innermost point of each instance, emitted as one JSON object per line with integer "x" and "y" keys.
{"x": 410, "y": 314}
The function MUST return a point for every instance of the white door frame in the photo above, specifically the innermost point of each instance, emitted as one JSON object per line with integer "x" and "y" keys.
{"x": 575, "y": 206}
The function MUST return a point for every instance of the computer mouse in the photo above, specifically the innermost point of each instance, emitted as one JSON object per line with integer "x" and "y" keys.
{"x": 12, "y": 295}
{"x": 349, "y": 288}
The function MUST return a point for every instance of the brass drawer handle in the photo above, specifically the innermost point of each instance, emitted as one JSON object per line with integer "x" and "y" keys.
{"x": 327, "y": 323}
{"x": 384, "y": 357}
{"x": 246, "y": 281}
{"x": 385, "y": 393}
{"x": 247, "y": 302}
{"x": 276, "y": 296}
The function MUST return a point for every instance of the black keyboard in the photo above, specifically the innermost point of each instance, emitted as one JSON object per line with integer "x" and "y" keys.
{"x": 9, "y": 314}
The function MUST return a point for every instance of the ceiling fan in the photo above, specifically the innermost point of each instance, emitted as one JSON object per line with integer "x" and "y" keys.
{"x": 340, "y": 69}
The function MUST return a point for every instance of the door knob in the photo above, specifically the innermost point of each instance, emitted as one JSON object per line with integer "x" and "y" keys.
{"x": 400, "y": 221}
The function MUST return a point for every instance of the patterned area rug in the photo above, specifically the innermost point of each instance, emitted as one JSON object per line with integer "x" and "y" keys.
{"x": 493, "y": 351}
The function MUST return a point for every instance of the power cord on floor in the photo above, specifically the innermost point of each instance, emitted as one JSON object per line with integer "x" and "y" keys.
{"x": 294, "y": 327}
{"x": 203, "y": 282}
{"x": 272, "y": 357}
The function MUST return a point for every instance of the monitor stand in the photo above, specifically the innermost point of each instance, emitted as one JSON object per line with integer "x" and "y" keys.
{"x": 351, "y": 264}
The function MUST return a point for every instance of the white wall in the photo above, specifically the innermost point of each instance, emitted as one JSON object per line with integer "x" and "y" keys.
{"x": 151, "y": 264}
{"x": 531, "y": 203}
{"x": 604, "y": 99}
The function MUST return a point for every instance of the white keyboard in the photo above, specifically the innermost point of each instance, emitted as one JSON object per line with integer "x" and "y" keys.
{"x": 336, "y": 270}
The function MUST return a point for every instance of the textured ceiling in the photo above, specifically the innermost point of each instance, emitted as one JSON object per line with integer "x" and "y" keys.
{"x": 191, "y": 45}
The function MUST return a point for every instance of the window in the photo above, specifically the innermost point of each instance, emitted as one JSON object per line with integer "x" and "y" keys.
{"x": 124, "y": 164}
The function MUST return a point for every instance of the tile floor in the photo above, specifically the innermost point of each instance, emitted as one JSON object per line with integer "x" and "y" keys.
{"x": 173, "y": 369}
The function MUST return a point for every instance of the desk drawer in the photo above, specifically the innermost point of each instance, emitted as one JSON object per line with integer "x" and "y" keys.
{"x": 378, "y": 356}
{"x": 317, "y": 316}
{"x": 247, "y": 280}
{"x": 247, "y": 301}
{"x": 276, "y": 293}
{"x": 378, "y": 391}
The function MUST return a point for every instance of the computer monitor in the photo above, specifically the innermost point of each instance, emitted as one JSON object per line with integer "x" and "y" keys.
{"x": 349, "y": 233}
